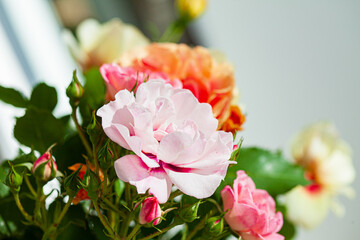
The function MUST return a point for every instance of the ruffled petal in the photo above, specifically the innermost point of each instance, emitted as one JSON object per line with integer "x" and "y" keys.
{"x": 132, "y": 169}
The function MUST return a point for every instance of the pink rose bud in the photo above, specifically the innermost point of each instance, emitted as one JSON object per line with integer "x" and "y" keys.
{"x": 45, "y": 167}
{"x": 150, "y": 211}
{"x": 250, "y": 211}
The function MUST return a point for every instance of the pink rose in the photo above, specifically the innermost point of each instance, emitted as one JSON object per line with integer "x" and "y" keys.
{"x": 251, "y": 211}
{"x": 174, "y": 139}
{"x": 119, "y": 78}
{"x": 150, "y": 211}
{"x": 45, "y": 167}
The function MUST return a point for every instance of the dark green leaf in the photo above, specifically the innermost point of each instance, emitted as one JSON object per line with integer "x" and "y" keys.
{"x": 74, "y": 225}
{"x": 95, "y": 130}
{"x": 270, "y": 171}
{"x": 39, "y": 129}
{"x": 13, "y": 97}
{"x": 69, "y": 152}
{"x": 43, "y": 97}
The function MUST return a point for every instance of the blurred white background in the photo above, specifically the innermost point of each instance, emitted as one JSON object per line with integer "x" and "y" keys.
{"x": 296, "y": 62}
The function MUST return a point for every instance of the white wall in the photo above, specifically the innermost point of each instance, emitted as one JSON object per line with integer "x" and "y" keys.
{"x": 296, "y": 62}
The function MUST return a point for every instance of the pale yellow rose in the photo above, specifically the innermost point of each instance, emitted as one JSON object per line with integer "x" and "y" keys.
{"x": 327, "y": 160}
{"x": 102, "y": 43}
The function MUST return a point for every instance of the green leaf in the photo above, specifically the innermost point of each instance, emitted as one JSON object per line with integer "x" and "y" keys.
{"x": 95, "y": 130}
{"x": 69, "y": 152}
{"x": 39, "y": 129}
{"x": 13, "y": 97}
{"x": 94, "y": 94}
{"x": 119, "y": 187}
{"x": 43, "y": 97}
{"x": 270, "y": 171}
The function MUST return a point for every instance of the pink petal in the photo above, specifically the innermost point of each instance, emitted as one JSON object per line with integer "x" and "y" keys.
{"x": 274, "y": 236}
{"x": 132, "y": 169}
{"x": 188, "y": 107}
{"x": 147, "y": 94}
{"x": 242, "y": 217}
{"x": 227, "y": 195}
{"x": 106, "y": 112}
{"x": 174, "y": 145}
{"x": 251, "y": 236}
{"x": 216, "y": 152}
{"x": 193, "y": 184}
{"x": 244, "y": 180}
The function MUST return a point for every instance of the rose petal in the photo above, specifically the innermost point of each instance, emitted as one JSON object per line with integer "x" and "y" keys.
{"x": 132, "y": 169}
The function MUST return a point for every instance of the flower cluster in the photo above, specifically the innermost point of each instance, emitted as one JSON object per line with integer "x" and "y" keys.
{"x": 151, "y": 146}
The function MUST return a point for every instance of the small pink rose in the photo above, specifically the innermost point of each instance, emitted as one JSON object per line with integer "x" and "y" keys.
{"x": 251, "y": 211}
{"x": 150, "y": 211}
{"x": 119, "y": 78}
{"x": 45, "y": 167}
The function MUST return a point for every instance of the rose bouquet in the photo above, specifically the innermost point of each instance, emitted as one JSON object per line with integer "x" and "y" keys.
{"x": 151, "y": 150}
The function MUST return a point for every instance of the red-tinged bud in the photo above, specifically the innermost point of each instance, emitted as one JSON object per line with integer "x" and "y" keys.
{"x": 214, "y": 226}
{"x": 13, "y": 179}
{"x": 150, "y": 211}
{"x": 45, "y": 167}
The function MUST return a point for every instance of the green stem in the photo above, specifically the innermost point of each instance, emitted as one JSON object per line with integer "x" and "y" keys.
{"x": 95, "y": 160}
{"x": 104, "y": 221}
{"x": 127, "y": 195}
{"x": 28, "y": 183}
{"x": 21, "y": 208}
{"x": 81, "y": 133}
{"x": 113, "y": 207}
{"x": 164, "y": 230}
{"x": 199, "y": 226}
{"x": 134, "y": 231}
{"x": 39, "y": 196}
{"x": 125, "y": 225}
{"x": 53, "y": 227}
{"x": 215, "y": 203}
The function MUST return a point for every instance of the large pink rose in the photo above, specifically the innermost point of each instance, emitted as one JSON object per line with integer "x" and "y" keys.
{"x": 174, "y": 139}
{"x": 251, "y": 211}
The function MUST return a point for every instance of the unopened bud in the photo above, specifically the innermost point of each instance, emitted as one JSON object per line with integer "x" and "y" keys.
{"x": 45, "y": 167}
{"x": 214, "y": 226}
{"x": 75, "y": 91}
{"x": 150, "y": 212}
{"x": 191, "y": 9}
{"x": 13, "y": 179}
{"x": 189, "y": 214}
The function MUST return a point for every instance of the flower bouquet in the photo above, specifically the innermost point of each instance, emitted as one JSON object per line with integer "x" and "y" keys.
{"x": 151, "y": 150}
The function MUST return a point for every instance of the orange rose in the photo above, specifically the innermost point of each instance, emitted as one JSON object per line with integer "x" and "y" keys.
{"x": 82, "y": 194}
{"x": 209, "y": 80}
